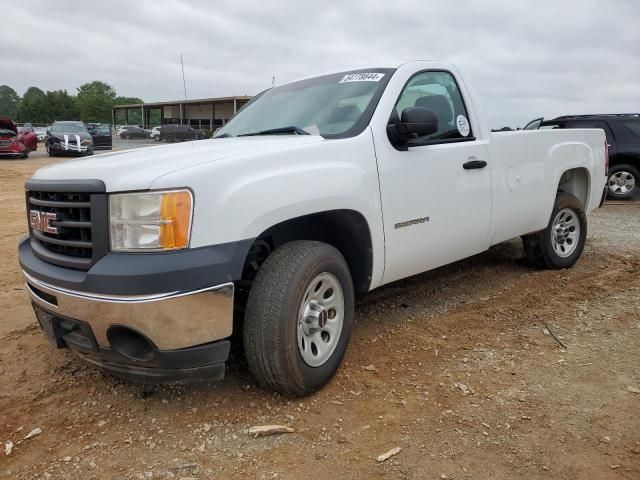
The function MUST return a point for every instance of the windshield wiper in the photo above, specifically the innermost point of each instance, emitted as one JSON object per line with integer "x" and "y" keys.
{"x": 223, "y": 135}
{"x": 278, "y": 131}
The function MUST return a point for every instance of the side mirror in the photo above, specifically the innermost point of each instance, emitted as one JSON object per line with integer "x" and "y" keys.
{"x": 418, "y": 120}
{"x": 414, "y": 122}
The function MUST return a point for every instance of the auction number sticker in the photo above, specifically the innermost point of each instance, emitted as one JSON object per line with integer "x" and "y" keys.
{"x": 463, "y": 125}
{"x": 362, "y": 77}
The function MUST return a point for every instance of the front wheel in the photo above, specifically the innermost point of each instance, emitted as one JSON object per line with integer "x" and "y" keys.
{"x": 623, "y": 179}
{"x": 298, "y": 317}
{"x": 561, "y": 243}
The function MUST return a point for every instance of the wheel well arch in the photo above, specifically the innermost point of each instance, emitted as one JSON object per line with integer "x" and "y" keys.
{"x": 346, "y": 230}
{"x": 577, "y": 182}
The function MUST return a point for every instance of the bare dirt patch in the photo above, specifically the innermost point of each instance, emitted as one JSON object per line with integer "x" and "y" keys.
{"x": 456, "y": 367}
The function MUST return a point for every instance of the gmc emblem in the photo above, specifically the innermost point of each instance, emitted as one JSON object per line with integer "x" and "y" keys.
{"x": 42, "y": 221}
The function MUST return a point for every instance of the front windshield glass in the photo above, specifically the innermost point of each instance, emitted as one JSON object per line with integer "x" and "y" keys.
{"x": 334, "y": 106}
{"x": 69, "y": 128}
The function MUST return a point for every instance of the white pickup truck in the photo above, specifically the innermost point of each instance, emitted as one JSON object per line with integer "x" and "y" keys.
{"x": 146, "y": 262}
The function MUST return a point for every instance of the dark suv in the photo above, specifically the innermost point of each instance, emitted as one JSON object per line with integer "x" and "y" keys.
{"x": 623, "y": 136}
{"x": 179, "y": 133}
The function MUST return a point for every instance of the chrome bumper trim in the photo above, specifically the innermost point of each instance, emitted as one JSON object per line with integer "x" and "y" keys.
{"x": 171, "y": 320}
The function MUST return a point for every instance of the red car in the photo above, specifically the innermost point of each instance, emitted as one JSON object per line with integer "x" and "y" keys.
{"x": 13, "y": 143}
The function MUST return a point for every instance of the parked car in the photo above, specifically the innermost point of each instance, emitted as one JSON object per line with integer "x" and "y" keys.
{"x": 623, "y": 138}
{"x": 155, "y": 133}
{"x": 179, "y": 133}
{"x": 68, "y": 138}
{"x": 122, "y": 128}
{"x": 101, "y": 136}
{"x": 135, "y": 132}
{"x": 41, "y": 132}
{"x": 26, "y": 128}
{"x": 14, "y": 143}
{"x": 366, "y": 177}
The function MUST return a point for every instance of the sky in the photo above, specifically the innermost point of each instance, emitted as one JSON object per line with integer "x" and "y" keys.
{"x": 524, "y": 58}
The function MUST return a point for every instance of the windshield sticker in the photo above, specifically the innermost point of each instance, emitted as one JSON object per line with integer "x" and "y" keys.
{"x": 362, "y": 77}
{"x": 463, "y": 125}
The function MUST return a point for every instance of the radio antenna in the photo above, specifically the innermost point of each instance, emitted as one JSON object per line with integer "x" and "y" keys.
{"x": 184, "y": 85}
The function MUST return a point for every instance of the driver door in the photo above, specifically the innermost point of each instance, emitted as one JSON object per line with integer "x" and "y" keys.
{"x": 436, "y": 189}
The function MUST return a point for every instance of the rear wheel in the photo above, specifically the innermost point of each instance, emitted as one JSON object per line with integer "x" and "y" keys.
{"x": 623, "y": 179}
{"x": 298, "y": 317}
{"x": 561, "y": 243}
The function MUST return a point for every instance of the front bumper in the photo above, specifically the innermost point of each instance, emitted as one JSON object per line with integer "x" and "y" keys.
{"x": 171, "y": 320}
{"x": 14, "y": 150}
{"x": 71, "y": 148}
{"x": 154, "y": 317}
{"x": 172, "y": 337}
{"x": 148, "y": 365}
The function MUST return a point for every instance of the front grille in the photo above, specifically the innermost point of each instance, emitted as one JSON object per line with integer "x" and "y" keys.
{"x": 79, "y": 217}
{"x": 5, "y": 143}
{"x": 73, "y": 212}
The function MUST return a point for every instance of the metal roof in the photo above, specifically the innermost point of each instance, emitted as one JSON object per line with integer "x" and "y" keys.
{"x": 188, "y": 102}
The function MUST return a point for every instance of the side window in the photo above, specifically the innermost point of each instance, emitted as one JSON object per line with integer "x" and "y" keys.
{"x": 594, "y": 124}
{"x": 437, "y": 91}
{"x": 628, "y": 131}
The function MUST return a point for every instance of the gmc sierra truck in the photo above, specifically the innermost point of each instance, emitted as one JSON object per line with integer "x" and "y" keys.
{"x": 145, "y": 263}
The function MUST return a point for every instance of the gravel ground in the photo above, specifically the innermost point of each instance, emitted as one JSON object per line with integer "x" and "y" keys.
{"x": 458, "y": 368}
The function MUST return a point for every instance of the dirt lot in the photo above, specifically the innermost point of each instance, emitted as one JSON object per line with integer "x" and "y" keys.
{"x": 456, "y": 367}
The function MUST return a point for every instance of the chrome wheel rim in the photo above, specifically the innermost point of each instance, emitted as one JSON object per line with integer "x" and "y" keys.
{"x": 565, "y": 233}
{"x": 622, "y": 182}
{"x": 320, "y": 319}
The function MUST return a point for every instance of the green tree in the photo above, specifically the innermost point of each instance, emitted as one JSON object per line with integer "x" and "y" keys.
{"x": 33, "y": 106}
{"x": 95, "y": 100}
{"x": 127, "y": 101}
{"x": 9, "y": 101}
{"x": 61, "y": 106}
{"x": 135, "y": 116}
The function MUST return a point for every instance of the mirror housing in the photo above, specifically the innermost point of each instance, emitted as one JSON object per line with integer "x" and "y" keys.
{"x": 418, "y": 120}
{"x": 414, "y": 122}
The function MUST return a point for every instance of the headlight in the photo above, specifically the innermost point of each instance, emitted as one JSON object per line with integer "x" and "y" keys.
{"x": 150, "y": 221}
{"x": 86, "y": 142}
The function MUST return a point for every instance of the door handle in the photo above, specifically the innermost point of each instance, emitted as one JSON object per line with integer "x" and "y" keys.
{"x": 471, "y": 164}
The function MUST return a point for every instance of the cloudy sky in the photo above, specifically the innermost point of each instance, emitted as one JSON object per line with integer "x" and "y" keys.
{"x": 525, "y": 58}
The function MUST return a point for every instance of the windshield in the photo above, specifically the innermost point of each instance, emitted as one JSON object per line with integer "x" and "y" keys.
{"x": 334, "y": 106}
{"x": 69, "y": 128}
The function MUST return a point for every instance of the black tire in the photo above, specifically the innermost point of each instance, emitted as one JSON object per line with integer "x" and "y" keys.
{"x": 539, "y": 246}
{"x": 628, "y": 172}
{"x": 271, "y": 317}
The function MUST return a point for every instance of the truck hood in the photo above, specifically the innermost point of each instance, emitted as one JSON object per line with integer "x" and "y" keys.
{"x": 137, "y": 169}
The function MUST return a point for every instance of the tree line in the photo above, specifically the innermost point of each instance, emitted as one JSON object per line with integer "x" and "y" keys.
{"x": 92, "y": 103}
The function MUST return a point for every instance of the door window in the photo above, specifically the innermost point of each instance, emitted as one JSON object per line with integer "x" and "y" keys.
{"x": 593, "y": 124}
{"x": 103, "y": 129}
{"x": 439, "y": 92}
{"x": 628, "y": 131}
